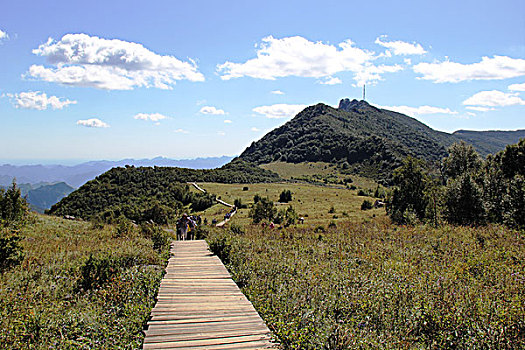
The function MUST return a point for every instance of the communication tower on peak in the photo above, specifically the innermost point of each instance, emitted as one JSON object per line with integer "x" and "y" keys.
{"x": 364, "y": 92}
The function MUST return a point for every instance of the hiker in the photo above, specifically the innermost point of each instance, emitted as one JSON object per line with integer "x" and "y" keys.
{"x": 183, "y": 224}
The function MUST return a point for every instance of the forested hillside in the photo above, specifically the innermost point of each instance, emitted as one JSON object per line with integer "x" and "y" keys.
{"x": 358, "y": 137}
{"x": 158, "y": 193}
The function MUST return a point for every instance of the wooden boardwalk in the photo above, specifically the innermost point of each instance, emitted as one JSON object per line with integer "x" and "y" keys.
{"x": 200, "y": 307}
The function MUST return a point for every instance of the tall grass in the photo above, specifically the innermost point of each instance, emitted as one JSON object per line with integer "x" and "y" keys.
{"x": 381, "y": 286}
{"x": 79, "y": 286}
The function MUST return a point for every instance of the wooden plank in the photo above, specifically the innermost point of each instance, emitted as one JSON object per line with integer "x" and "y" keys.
{"x": 170, "y": 343}
{"x": 200, "y": 307}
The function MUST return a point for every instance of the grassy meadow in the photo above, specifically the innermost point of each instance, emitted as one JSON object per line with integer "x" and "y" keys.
{"x": 350, "y": 279}
{"x": 319, "y": 205}
{"x": 81, "y": 285}
{"x": 378, "y": 286}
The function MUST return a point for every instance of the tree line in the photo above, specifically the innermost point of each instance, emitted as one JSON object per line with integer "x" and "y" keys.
{"x": 466, "y": 190}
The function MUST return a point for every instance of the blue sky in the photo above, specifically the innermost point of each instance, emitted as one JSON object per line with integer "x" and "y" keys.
{"x": 184, "y": 79}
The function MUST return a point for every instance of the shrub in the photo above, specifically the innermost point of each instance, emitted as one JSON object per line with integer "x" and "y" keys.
{"x": 320, "y": 229}
{"x": 96, "y": 271}
{"x": 245, "y": 188}
{"x": 285, "y": 196}
{"x": 221, "y": 247}
{"x": 263, "y": 209}
{"x": 238, "y": 203}
{"x": 11, "y": 253}
{"x": 160, "y": 238}
{"x": 123, "y": 228}
{"x": 237, "y": 229}
{"x": 366, "y": 205}
{"x": 332, "y": 210}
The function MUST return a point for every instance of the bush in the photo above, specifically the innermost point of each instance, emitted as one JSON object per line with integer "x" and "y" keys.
{"x": 238, "y": 204}
{"x": 285, "y": 196}
{"x": 11, "y": 253}
{"x": 366, "y": 205}
{"x": 160, "y": 238}
{"x": 263, "y": 209}
{"x": 221, "y": 247}
{"x": 96, "y": 271}
{"x": 123, "y": 228}
{"x": 320, "y": 229}
{"x": 245, "y": 188}
{"x": 237, "y": 229}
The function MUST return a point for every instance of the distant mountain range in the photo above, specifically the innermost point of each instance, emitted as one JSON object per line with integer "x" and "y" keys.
{"x": 364, "y": 139}
{"x": 42, "y": 196}
{"x": 77, "y": 175}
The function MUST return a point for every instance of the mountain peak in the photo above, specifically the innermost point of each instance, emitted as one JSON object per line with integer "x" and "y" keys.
{"x": 346, "y": 105}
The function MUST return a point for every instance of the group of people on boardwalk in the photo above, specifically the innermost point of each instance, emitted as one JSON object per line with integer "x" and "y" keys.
{"x": 186, "y": 226}
{"x": 228, "y": 215}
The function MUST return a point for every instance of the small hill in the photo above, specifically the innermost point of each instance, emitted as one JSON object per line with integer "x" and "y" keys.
{"x": 358, "y": 137}
{"x": 143, "y": 193}
{"x": 492, "y": 141}
{"x": 43, "y": 197}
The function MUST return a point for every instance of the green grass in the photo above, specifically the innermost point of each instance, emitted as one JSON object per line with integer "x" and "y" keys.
{"x": 310, "y": 201}
{"x": 382, "y": 286}
{"x": 317, "y": 172}
{"x": 79, "y": 286}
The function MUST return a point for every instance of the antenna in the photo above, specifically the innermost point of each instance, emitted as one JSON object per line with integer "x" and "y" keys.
{"x": 364, "y": 91}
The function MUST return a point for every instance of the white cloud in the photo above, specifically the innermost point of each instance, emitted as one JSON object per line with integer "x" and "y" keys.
{"x": 494, "y": 98}
{"x": 3, "y": 35}
{"x": 83, "y": 60}
{"x": 254, "y": 129}
{"x": 155, "y": 117}
{"x": 297, "y": 56}
{"x": 93, "y": 123}
{"x": 517, "y": 87}
{"x": 417, "y": 111}
{"x": 480, "y": 109}
{"x": 212, "y": 110}
{"x": 331, "y": 81}
{"x": 279, "y": 110}
{"x": 470, "y": 114}
{"x": 277, "y": 92}
{"x": 38, "y": 100}
{"x": 498, "y": 67}
{"x": 227, "y": 121}
{"x": 401, "y": 47}
{"x": 221, "y": 133}
{"x": 182, "y": 131}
